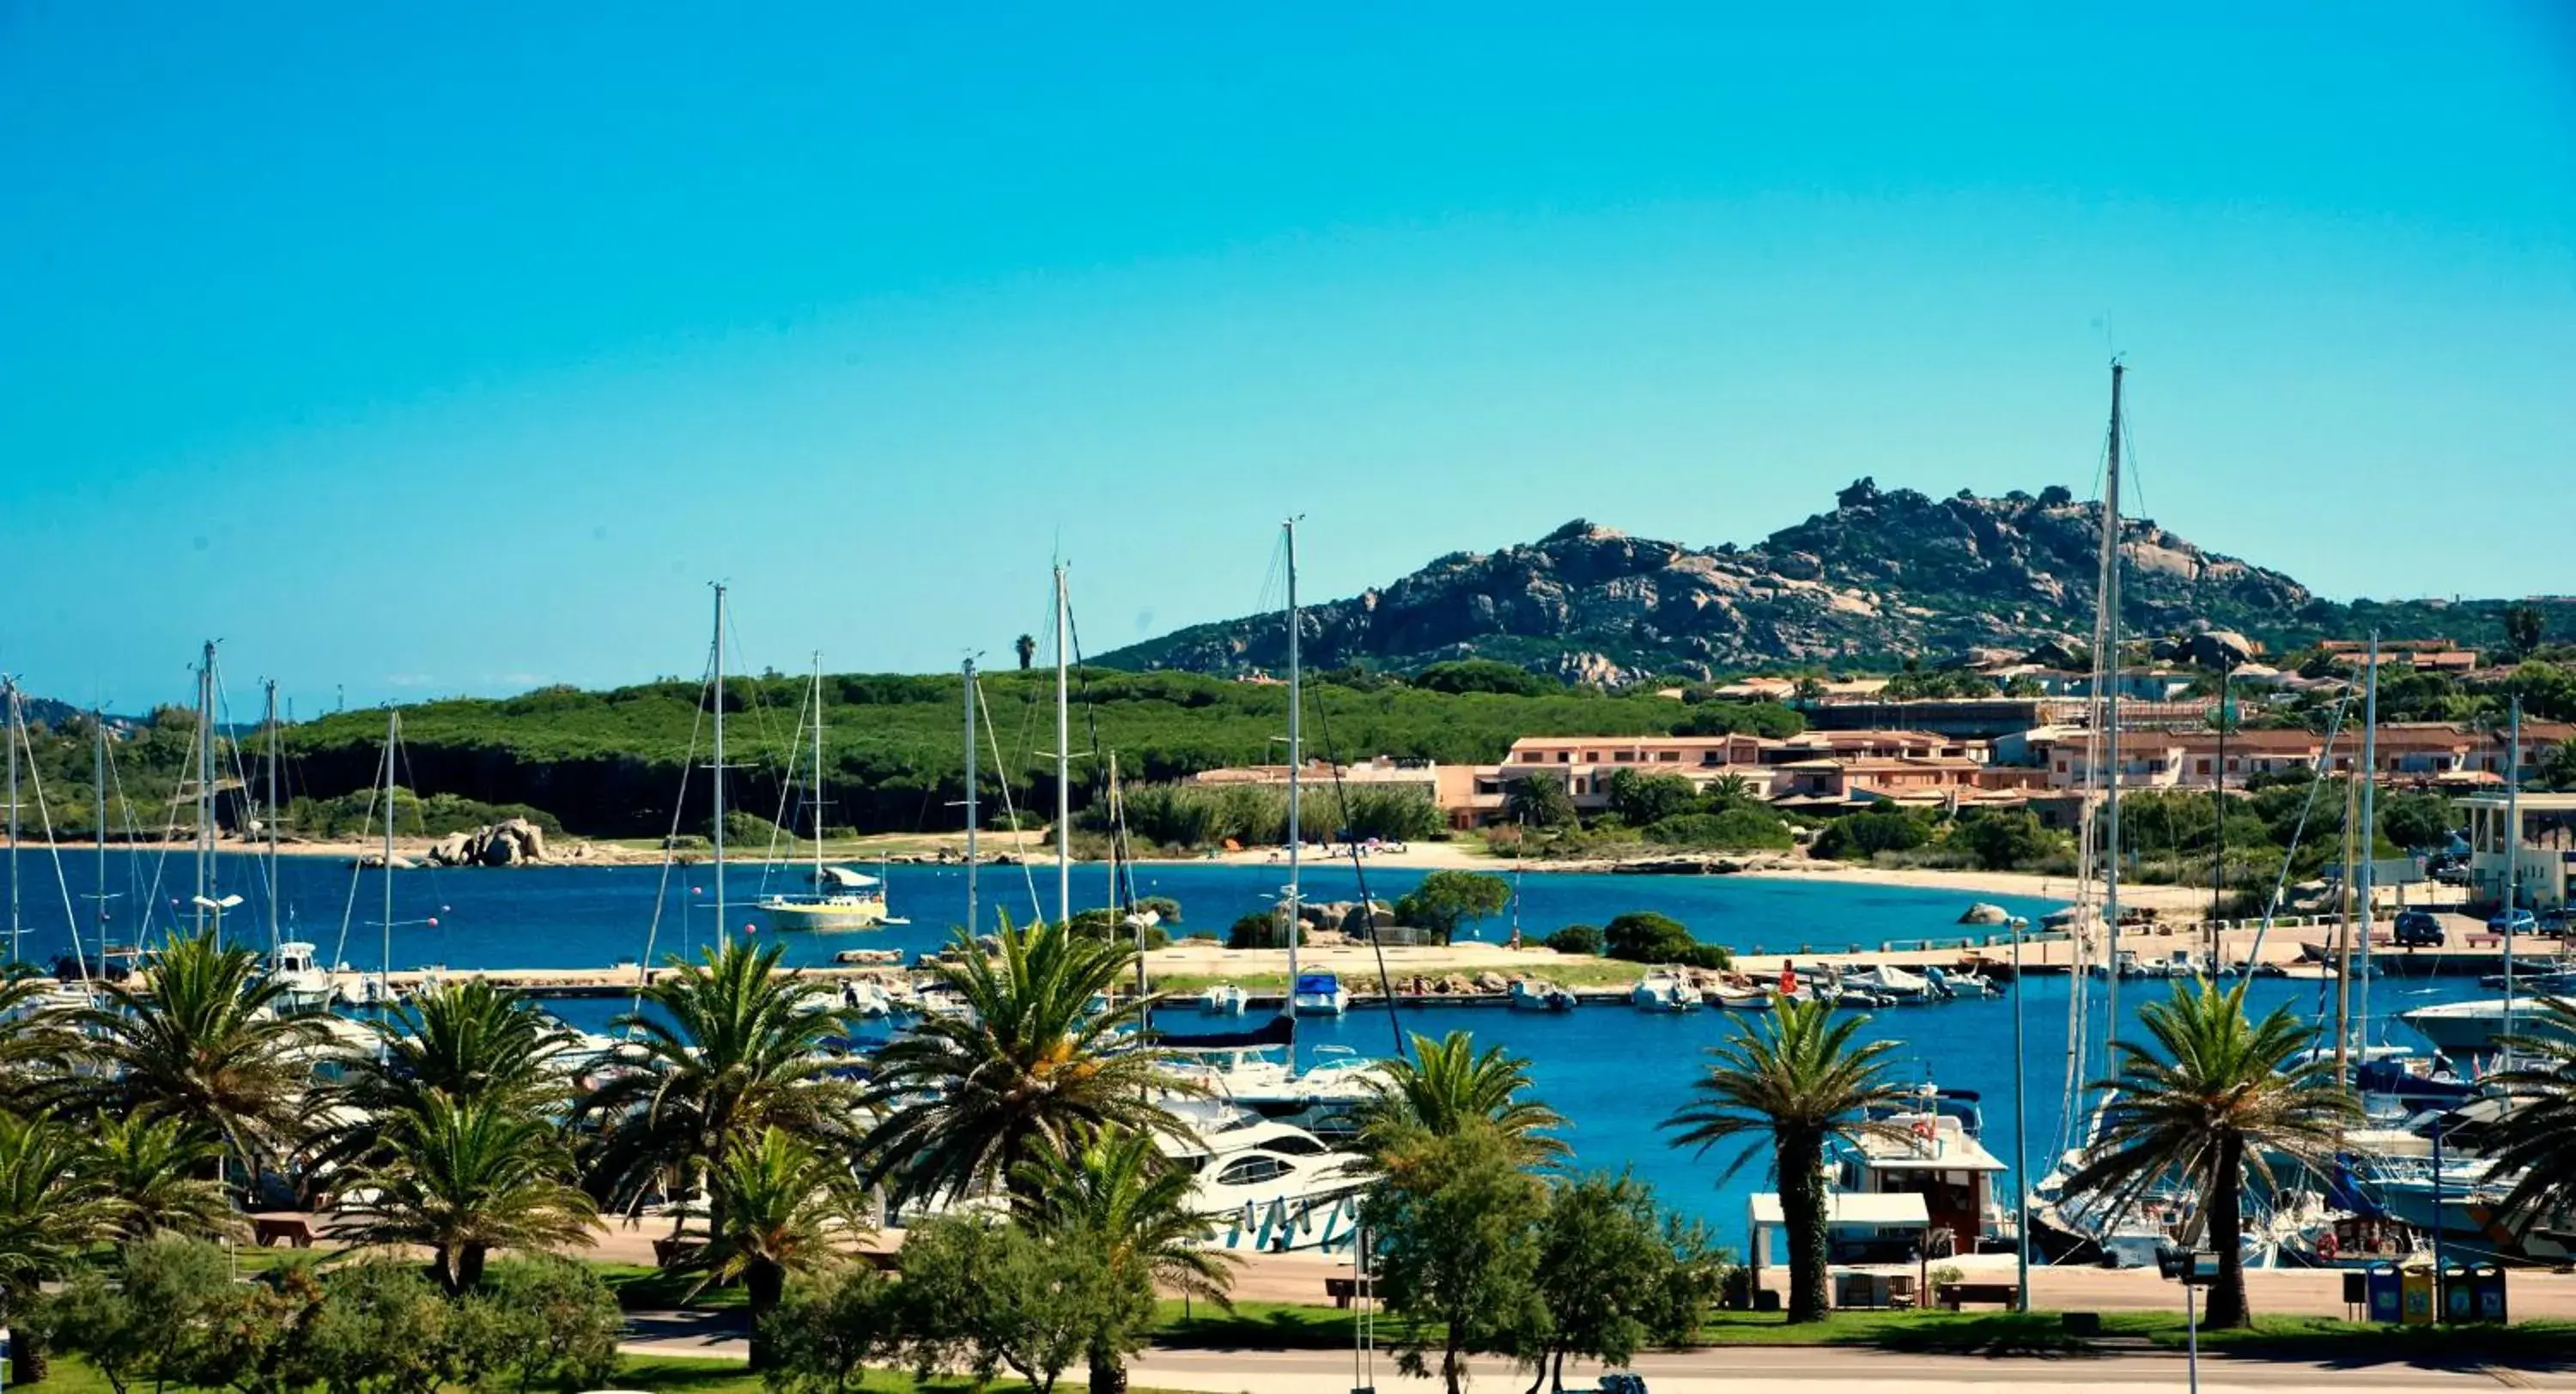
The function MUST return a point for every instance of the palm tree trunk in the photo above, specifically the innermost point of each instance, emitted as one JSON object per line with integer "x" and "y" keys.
{"x": 1108, "y": 1372}
{"x": 2227, "y": 1304}
{"x": 762, "y": 1282}
{"x": 1801, "y": 1154}
{"x": 469, "y": 1268}
{"x": 30, "y": 1359}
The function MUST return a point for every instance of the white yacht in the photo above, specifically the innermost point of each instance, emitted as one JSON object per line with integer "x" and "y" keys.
{"x": 306, "y": 987}
{"x": 1264, "y": 1184}
{"x": 841, "y": 899}
{"x": 1320, "y": 994}
{"x": 2473, "y": 1028}
{"x": 1931, "y": 1148}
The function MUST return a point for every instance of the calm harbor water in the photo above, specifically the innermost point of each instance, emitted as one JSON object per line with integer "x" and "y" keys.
{"x": 1615, "y": 1073}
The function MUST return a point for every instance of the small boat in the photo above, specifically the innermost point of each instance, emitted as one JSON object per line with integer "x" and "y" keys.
{"x": 1528, "y": 996}
{"x": 1736, "y": 997}
{"x": 1664, "y": 991}
{"x": 1958, "y": 982}
{"x": 1889, "y": 981}
{"x": 862, "y": 957}
{"x": 866, "y": 1000}
{"x": 843, "y": 899}
{"x": 304, "y": 987}
{"x": 1224, "y": 999}
{"x": 1320, "y": 994}
{"x": 2472, "y": 1028}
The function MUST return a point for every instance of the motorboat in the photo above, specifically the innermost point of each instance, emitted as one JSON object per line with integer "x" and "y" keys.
{"x": 2474, "y": 1028}
{"x": 1319, "y": 994}
{"x": 1264, "y": 1184}
{"x": 1530, "y": 996}
{"x": 1961, "y": 982}
{"x": 841, "y": 899}
{"x": 1737, "y": 997}
{"x": 1224, "y": 999}
{"x": 1664, "y": 991}
{"x": 303, "y": 986}
{"x": 1889, "y": 981}
{"x": 1929, "y": 1146}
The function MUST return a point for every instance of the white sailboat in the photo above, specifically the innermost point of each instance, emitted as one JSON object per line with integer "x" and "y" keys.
{"x": 841, "y": 898}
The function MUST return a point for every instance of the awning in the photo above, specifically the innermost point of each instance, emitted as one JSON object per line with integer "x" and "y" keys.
{"x": 1277, "y": 1031}
{"x": 842, "y": 878}
{"x": 1882, "y": 1208}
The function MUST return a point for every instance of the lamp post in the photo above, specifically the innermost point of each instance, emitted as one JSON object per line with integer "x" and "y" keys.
{"x": 2021, "y": 1129}
{"x": 219, "y": 907}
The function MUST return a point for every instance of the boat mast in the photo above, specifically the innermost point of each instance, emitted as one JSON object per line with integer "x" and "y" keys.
{"x": 271, "y": 800}
{"x": 10, "y": 724}
{"x": 2106, "y": 666}
{"x": 2512, "y": 850}
{"x": 2369, "y": 835}
{"x": 205, "y": 782}
{"x": 1063, "y": 763}
{"x": 971, "y": 818}
{"x": 718, "y": 782}
{"x": 98, "y": 814}
{"x": 2218, "y": 826}
{"x": 818, "y": 774}
{"x": 2343, "y": 955}
{"x": 385, "y": 964}
{"x": 1296, "y": 768}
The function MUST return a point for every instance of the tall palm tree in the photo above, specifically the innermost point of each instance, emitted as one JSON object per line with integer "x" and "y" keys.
{"x": 464, "y": 1179}
{"x": 1115, "y": 1190}
{"x": 964, "y": 1099}
{"x": 155, "y": 1167}
{"x": 1797, "y": 1078}
{"x": 51, "y": 1210}
{"x": 2213, "y": 1098}
{"x": 1446, "y": 1085}
{"x": 729, "y": 1047}
{"x": 2536, "y": 1133}
{"x": 203, "y": 1041}
{"x": 467, "y": 1040}
{"x": 785, "y": 1207}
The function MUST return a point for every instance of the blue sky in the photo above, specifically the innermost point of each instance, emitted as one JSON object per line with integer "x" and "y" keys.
{"x": 420, "y": 350}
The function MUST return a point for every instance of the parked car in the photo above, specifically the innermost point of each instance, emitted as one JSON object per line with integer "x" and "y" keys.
{"x": 2418, "y": 929}
{"x": 2554, "y": 924}
{"x": 2515, "y": 921}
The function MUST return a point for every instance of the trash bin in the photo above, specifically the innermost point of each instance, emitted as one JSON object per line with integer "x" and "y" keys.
{"x": 2488, "y": 1281}
{"x": 2385, "y": 1301}
{"x": 2415, "y": 1284}
{"x": 2458, "y": 1302}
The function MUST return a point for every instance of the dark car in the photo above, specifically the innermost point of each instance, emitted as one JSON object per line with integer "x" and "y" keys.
{"x": 2417, "y": 929}
{"x": 2553, "y": 923}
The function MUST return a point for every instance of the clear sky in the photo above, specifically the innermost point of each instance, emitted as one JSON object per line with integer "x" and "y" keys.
{"x": 453, "y": 348}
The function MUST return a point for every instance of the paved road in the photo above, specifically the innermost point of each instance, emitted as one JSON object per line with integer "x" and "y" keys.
{"x": 1733, "y": 1370}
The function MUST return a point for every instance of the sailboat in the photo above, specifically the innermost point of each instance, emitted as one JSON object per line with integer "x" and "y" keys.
{"x": 841, "y": 898}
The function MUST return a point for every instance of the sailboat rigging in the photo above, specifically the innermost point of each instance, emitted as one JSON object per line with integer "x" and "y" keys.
{"x": 841, "y": 898}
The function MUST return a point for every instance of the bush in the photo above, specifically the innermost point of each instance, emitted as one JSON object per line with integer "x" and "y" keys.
{"x": 1642, "y": 936}
{"x": 1483, "y": 675}
{"x": 1737, "y": 829}
{"x": 1258, "y": 930}
{"x": 556, "y": 1322}
{"x": 1861, "y": 836}
{"x": 2002, "y": 841}
{"x": 1581, "y": 939}
{"x": 829, "y": 1326}
{"x": 1101, "y": 923}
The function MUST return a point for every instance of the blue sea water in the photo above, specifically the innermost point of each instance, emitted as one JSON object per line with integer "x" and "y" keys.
{"x": 1615, "y": 1074}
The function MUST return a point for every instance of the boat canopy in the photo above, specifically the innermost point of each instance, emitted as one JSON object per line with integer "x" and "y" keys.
{"x": 1318, "y": 982}
{"x": 1270, "y": 1035}
{"x": 841, "y": 878}
{"x": 1853, "y": 1208}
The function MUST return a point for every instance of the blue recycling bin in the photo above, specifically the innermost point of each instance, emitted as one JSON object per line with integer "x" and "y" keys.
{"x": 2488, "y": 1281}
{"x": 2387, "y": 1302}
{"x": 2459, "y": 1302}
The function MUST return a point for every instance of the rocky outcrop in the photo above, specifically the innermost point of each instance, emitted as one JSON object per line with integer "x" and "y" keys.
{"x": 516, "y": 842}
{"x": 1886, "y": 574}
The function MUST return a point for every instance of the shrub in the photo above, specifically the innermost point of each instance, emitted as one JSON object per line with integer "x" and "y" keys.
{"x": 1736, "y": 829}
{"x": 1581, "y": 939}
{"x": 2001, "y": 841}
{"x": 1861, "y": 836}
{"x": 1258, "y": 930}
{"x": 1643, "y": 936}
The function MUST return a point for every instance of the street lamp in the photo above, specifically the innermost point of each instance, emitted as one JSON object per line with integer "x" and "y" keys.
{"x": 219, "y": 907}
{"x": 2021, "y": 1126}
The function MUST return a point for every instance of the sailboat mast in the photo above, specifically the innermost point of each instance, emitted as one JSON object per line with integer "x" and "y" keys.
{"x": 205, "y": 781}
{"x": 271, "y": 820}
{"x": 1063, "y": 763}
{"x": 1296, "y": 769}
{"x": 818, "y": 771}
{"x": 385, "y": 963}
{"x": 2369, "y": 836}
{"x": 2512, "y": 850}
{"x": 719, "y": 781}
{"x": 9, "y": 722}
{"x": 2106, "y": 664}
{"x": 98, "y": 815}
{"x": 972, "y": 820}
{"x": 2218, "y": 825}
{"x": 2343, "y": 956}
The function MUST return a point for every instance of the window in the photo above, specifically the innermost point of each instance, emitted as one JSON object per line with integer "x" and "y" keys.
{"x": 1627, "y": 757}
{"x": 1565, "y": 757}
{"x": 1669, "y": 757}
{"x": 1294, "y": 1145}
{"x": 2204, "y": 767}
{"x": 1251, "y": 1171}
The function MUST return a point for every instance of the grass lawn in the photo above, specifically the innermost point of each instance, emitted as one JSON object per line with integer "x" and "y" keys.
{"x": 72, "y": 1375}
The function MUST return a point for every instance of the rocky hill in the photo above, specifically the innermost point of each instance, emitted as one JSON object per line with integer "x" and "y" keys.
{"x": 1887, "y": 575}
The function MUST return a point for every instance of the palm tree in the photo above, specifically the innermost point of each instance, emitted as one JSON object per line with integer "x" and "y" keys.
{"x": 2214, "y": 1098}
{"x": 1027, "y": 648}
{"x": 1732, "y": 790}
{"x": 785, "y": 1207}
{"x": 51, "y": 1210}
{"x": 464, "y": 1179}
{"x": 2536, "y": 1132}
{"x": 203, "y": 1041}
{"x": 155, "y": 1167}
{"x": 732, "y": 1046}
{"x": 1115, "y": 1190}
{"x": 1446, "y": 1085}
{"x": 1023, "y": 1072}
{"x": 1800, "y": 1079}
{"x": 469, "y": 1041}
